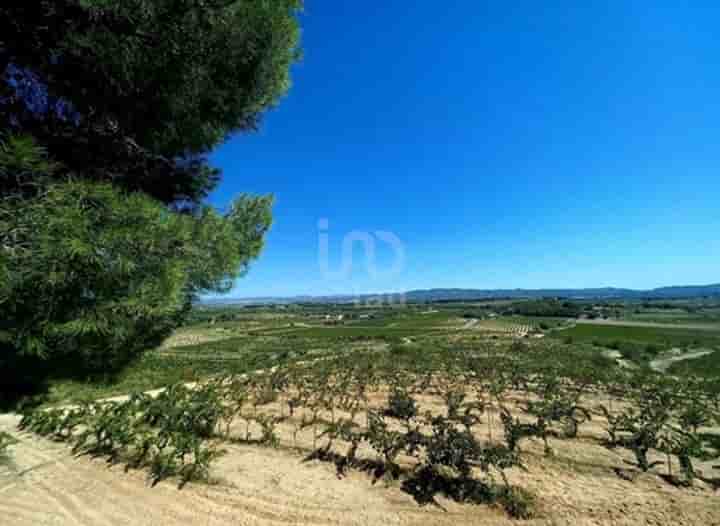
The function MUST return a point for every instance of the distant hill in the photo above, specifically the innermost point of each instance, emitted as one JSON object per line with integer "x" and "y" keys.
{"x": 425, "y": 295}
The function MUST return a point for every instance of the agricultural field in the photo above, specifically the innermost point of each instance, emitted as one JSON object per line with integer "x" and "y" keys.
{"x": 676, "y": 316}
{"x": 689, "y": 312}
{"x": 520, "y": 326}
{"x": 706, "y": 366}
{"x": 422, "y": 413}
{"x": 661, "y": 336}
{"x": 215, "y": 312}
{"x": 446, "y": 437}
{"x": 694, "y": 312}
{"x": 641, "y": 345}
{"x": 237, "y": 340}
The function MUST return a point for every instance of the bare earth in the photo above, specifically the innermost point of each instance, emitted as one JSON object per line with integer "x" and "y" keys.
{"x": 190, "y": 337}
{"x": 46, "y": 485}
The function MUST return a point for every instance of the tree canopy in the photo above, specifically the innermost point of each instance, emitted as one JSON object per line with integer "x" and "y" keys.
{"x": 95, "y": 275}
{"x": 137, "y": 92}
{"x": 108, "y": 109}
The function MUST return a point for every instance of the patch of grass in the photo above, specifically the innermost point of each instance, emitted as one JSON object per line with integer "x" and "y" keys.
{"x": 707, "y": 366}
{"x": 427, "y": 320}
{"x": 190, "y": 363}
{"x": 5, "y": 442}
{"x": 661, "y": 337}
{"x": 155, "y": 370}
{"x": 518, "y": 502}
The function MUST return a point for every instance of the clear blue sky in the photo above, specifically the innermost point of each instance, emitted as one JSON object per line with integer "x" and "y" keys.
{"x": 538, "y": 144}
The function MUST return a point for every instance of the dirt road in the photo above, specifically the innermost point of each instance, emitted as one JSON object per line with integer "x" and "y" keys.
{"x": 470, "y": 324}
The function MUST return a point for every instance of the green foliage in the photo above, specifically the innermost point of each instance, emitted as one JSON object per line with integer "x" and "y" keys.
{"x": 6, "y": 440}
{"x": 707, "y": 366}
{"x": 665, "y": 415}
{"x": 108, "y": 110}
{"x": 695, "y": 407}
{"x": 684, "y": 445}
{"x": 118, "y": 262}
{"x": 137, "y": 91}
{"x": 548, "y": 308}
{"x": 94, "y": 276}
{"x": 23, "y": 166}
{"x": 350, "y": 333}
{"x": 168, "y": 434}
{"x": 557, "y": 402}
{"x": 518, "y": 502}
{"x": 401, "y": 405}
{"x": 516, "y": 430}
{"x": 386, "y": 441}
{"x": 451, "y": 447}
{"x": 452, "y": 450}
{"x": 640, "y": 340}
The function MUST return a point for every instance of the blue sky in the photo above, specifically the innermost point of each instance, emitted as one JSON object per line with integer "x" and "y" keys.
{"x": 538, "y": 144}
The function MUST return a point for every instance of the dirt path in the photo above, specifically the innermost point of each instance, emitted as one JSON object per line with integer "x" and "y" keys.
{"x": 618, "y": 357}
{"x": 663, "y": 364}
{"x": 470, "y": 324}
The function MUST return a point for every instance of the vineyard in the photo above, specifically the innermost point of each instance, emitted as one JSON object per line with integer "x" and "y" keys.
{"x": 509, "y": 327}
{"x": 450, "y": 424}
{"x": 661, "y": 337}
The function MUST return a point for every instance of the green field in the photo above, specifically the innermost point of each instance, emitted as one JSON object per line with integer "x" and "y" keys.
{"x": 660, "y": 336}
{"x": 190, "y": 363}
{"x": 362, "y": 332}
{"x": 707, "y": 366}
{"x": 689, "y": 313}
{"x": 241, "y": 340}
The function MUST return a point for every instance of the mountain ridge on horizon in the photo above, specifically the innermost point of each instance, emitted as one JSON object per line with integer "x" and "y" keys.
{"x": 459, "y": 294}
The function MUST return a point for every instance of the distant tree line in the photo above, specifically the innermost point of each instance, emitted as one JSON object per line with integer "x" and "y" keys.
{"x": 548, "y": 308}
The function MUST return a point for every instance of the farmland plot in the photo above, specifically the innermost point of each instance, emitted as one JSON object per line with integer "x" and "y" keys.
{"x": 451, "y": 430}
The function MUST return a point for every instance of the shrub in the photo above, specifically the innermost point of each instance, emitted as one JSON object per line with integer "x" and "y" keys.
{"x": 652, "y": 348}
{"x": 95, "y": 277}
{"x": 401, "y": 405}
{"x": 452, "y": 448}
{"x": 386, "y": 441}
{"x": 6, "y": 441}
{"x": 639, "y": 426}
{"x": 519, "y": 347}
{"x": 168, "y": 434}
{"x": 515, "y": 430}
{"x": 518, "y": 502}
